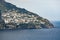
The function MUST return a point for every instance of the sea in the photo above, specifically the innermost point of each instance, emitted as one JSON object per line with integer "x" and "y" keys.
{"x": 32, "y": 34}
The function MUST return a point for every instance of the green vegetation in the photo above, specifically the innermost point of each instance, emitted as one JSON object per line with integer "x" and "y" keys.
{"x": 14, "y": 17}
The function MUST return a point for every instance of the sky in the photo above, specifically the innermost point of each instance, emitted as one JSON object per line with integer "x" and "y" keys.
{"x": 49, "y": 9}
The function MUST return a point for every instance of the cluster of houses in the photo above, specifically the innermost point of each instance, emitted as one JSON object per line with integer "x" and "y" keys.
{"x": 13, "y": 17}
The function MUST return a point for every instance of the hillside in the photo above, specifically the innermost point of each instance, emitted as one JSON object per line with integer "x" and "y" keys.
{"x": 12, "y": 17}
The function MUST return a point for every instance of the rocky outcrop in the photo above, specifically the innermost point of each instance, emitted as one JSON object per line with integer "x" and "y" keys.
{"x": 13, "y": 17}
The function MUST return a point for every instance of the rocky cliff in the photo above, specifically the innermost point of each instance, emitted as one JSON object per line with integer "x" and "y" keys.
{"x": 12, "y": 17}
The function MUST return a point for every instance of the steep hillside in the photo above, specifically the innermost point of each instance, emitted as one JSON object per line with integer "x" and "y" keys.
{"x": 12, "y": 17}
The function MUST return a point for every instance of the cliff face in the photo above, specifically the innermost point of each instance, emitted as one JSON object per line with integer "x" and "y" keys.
{"x": 14, "y": 17}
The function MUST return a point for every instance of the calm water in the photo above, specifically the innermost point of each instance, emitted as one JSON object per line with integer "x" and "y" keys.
{"x": 32, "y": 34}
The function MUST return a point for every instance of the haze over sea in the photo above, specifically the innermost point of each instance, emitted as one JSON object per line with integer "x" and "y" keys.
{"x": 32, "y": 34}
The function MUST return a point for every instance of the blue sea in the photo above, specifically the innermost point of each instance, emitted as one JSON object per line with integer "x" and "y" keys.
{"x": 32, "y": 34}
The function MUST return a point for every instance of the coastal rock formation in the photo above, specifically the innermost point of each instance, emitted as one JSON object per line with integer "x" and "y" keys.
{"x": 12, "y": 17}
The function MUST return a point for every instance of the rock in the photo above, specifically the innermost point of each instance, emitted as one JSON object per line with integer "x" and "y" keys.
{"x": 2, "y": 23}
{"x": 13, "y": 17}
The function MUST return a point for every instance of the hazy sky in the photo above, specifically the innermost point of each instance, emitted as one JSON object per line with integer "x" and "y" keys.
{"x": 49, "y": 9}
